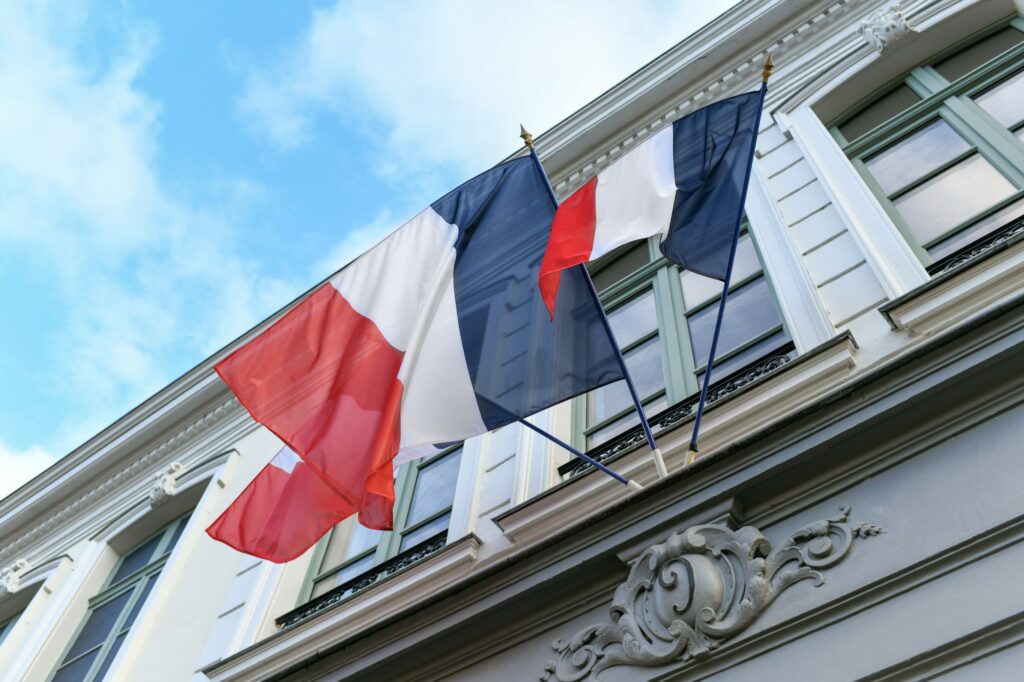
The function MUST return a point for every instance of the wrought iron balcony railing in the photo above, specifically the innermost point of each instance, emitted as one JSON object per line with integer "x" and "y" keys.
{"x": 364, "y": 580}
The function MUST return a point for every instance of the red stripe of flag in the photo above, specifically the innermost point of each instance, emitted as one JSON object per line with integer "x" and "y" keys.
{"x": 281, "y": 513}
{"x": 325, "y": 380}
{"x": 571, "y": 241}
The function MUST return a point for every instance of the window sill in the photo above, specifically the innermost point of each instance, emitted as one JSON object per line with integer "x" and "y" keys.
{"x": 767, "y": 398}
{"x": 672, "y": 415}
{"x": 362, "y": 581}
{"x": 333, "y": 616}
{"x": 985, "y": 276}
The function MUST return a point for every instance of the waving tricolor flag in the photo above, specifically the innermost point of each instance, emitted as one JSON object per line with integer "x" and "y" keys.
{"x": 435, "y": 335}
{"x": 684, "y": 183}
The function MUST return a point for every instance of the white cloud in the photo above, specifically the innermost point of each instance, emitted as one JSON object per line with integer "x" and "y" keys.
{"x": 146, "y": 277}
{"x": 17, "y": 467}
{"x": 355, "y": 242}
{"x": 450, "y": 80}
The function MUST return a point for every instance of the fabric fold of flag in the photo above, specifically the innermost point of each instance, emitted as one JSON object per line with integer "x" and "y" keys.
{"x": 683, "y": 183}
{"x": 435, "y": 335}
{"x": 281, "y": 513}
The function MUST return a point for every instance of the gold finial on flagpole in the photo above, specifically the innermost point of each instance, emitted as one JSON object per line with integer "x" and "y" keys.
{"x": 527, "y": 137}
{"x": 766, "y": 72}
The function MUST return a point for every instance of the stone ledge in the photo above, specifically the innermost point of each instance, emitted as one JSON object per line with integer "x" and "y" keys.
{"x": 798, "y": 383}
{"x": 360, "y": 611}
{"x": 993, "y": 274}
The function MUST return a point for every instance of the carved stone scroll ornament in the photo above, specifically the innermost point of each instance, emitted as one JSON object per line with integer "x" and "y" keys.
{"x": 687, "y": 595}
{"x": 165, "y": 485}
{"x": 885, "y": 26}
{"x": 10, "y": 576}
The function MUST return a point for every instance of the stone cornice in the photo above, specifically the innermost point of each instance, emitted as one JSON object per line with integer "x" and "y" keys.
{"x": 702, "y": 68}
{"x": 72, "y": 502}
{"x": 190, "y": 419}
{"x": 695, "y": 73}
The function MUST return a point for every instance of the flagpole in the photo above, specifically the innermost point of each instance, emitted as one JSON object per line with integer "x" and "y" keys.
{"x": 659, "y": 462}
{"x": 628, "y": 482}
{"x": 692, "y": 454}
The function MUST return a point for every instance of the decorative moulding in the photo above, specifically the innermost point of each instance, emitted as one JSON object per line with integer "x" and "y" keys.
{"x": 686, "y": 596}
{"x": 885, "y": 26}
{"x": 785, "y": 47}
{"x": 993, "y": 276}
{"x": 166, "y": 484}
{"x": 10, "y": 576}
{"x": 73, "y": 510}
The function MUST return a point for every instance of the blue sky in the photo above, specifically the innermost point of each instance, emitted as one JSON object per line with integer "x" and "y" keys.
{"x": 171, "y": 173}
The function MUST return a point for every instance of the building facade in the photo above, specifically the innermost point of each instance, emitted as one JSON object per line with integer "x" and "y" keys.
{"x": 855, "y": 512}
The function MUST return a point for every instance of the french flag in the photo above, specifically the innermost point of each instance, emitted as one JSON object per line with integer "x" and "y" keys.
{"x": 683, "y": 184}
{"x": 435, "y": 335}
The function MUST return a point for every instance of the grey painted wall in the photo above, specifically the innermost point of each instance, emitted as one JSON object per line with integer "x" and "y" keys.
{"x": 932, "y": 450}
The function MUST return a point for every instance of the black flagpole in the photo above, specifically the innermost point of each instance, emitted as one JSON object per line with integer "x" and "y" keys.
{"x": 692, "y": 455}
{"x": 628, "y": 482}
{"x": 659, "y": 462}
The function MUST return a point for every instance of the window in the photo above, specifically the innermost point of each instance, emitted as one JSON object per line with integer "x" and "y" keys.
{"x": 664, "y": 319}
{"x": 6, "y": 627}
{"x": 424, "y": 491}
{"x": 112, "y": 611}
{"x": 943, "y": 149}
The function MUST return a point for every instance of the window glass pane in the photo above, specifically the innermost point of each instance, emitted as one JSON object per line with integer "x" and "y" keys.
{"x": 977, "y": 231}
{"x": 361, "y": 539}
{"x": 136, "y": 559}
{"x": 1005, "y": 101}
{"x": 343, "y": 545}
{"x": 699, "y": 289}
{"x": 644, "y": 364}
{"x": 628, "y": 421}
{"x": 110, "y": 656}
{"x": 890, "y": 105}
{"x": 99, "y": 624}
{"x": 952, "y": 197}
{"x": 177, "y": 536}
{"x": 6, "y": 628}
{"x": 634, "y": 319}
{"x": 980, "y": 52}
{"x": 435, "y": 487}
{"x": 334, "y": 553}
{"x": 747, "y": 262}
{"x": 632, "y": 259}
{"x": 749, "y": 312}
{"x": 342, "y": 576}
{"x": 146, "y": 589}
{"x": 916, "y": 155}
{"x": 761, "y": 348}
{"x": 75, "y": 672}
{"x": 427, "y": 530}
